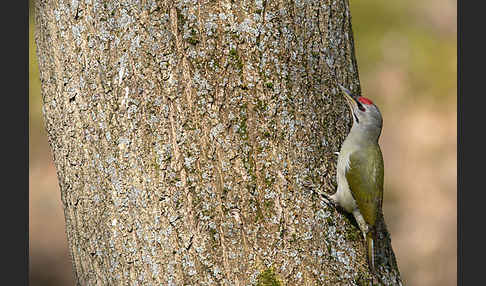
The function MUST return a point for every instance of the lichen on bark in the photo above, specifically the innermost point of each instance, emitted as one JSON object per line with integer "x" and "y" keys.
{"x": 192, "y": 139}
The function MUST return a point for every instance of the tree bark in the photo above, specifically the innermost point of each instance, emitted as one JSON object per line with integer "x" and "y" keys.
{"x": 193, "y": 139}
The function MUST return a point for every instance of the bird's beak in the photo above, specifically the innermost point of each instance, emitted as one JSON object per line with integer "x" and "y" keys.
{"x": 351, "y": 99}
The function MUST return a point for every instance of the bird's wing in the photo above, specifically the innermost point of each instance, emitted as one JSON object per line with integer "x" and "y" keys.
{"x": 367, "y": 176}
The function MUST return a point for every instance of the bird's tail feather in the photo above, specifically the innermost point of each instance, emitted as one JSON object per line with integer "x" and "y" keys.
{"x": 371, "y": 256}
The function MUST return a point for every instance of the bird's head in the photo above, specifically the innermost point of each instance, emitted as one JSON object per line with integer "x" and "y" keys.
{"x": 366, "y": 115}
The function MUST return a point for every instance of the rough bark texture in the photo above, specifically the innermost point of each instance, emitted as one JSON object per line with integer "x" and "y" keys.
{"x": 192, "y": 140}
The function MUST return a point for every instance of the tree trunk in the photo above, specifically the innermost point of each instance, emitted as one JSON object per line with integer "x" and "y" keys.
{"x": 192, "y": 140}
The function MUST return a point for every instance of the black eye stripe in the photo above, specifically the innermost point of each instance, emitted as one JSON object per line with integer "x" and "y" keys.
{"x": 361, "y": 107}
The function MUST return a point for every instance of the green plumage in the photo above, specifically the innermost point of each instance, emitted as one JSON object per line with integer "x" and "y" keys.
{"x": 365, "y": 180}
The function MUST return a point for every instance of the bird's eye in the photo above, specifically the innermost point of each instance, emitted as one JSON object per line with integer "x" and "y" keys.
{"x": 361, "y": 107}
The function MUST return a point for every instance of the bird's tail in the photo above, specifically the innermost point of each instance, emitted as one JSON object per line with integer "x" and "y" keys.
{"x": 371, "y": 255}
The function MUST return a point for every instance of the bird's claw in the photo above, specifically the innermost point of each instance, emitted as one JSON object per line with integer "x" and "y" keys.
{"x": 328, "y": 200}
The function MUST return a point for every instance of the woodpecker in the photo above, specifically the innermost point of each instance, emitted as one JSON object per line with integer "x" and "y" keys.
{"x": 360, "y": 169}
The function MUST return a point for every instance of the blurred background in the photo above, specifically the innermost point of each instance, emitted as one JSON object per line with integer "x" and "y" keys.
{"x": 407, "y": 59}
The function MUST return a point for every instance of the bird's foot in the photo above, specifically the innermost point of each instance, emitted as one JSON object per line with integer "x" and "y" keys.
{"x": 329, "y": 199}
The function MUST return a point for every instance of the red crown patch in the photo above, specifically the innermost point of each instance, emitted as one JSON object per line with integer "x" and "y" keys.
{"x": 364, "y": 100}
